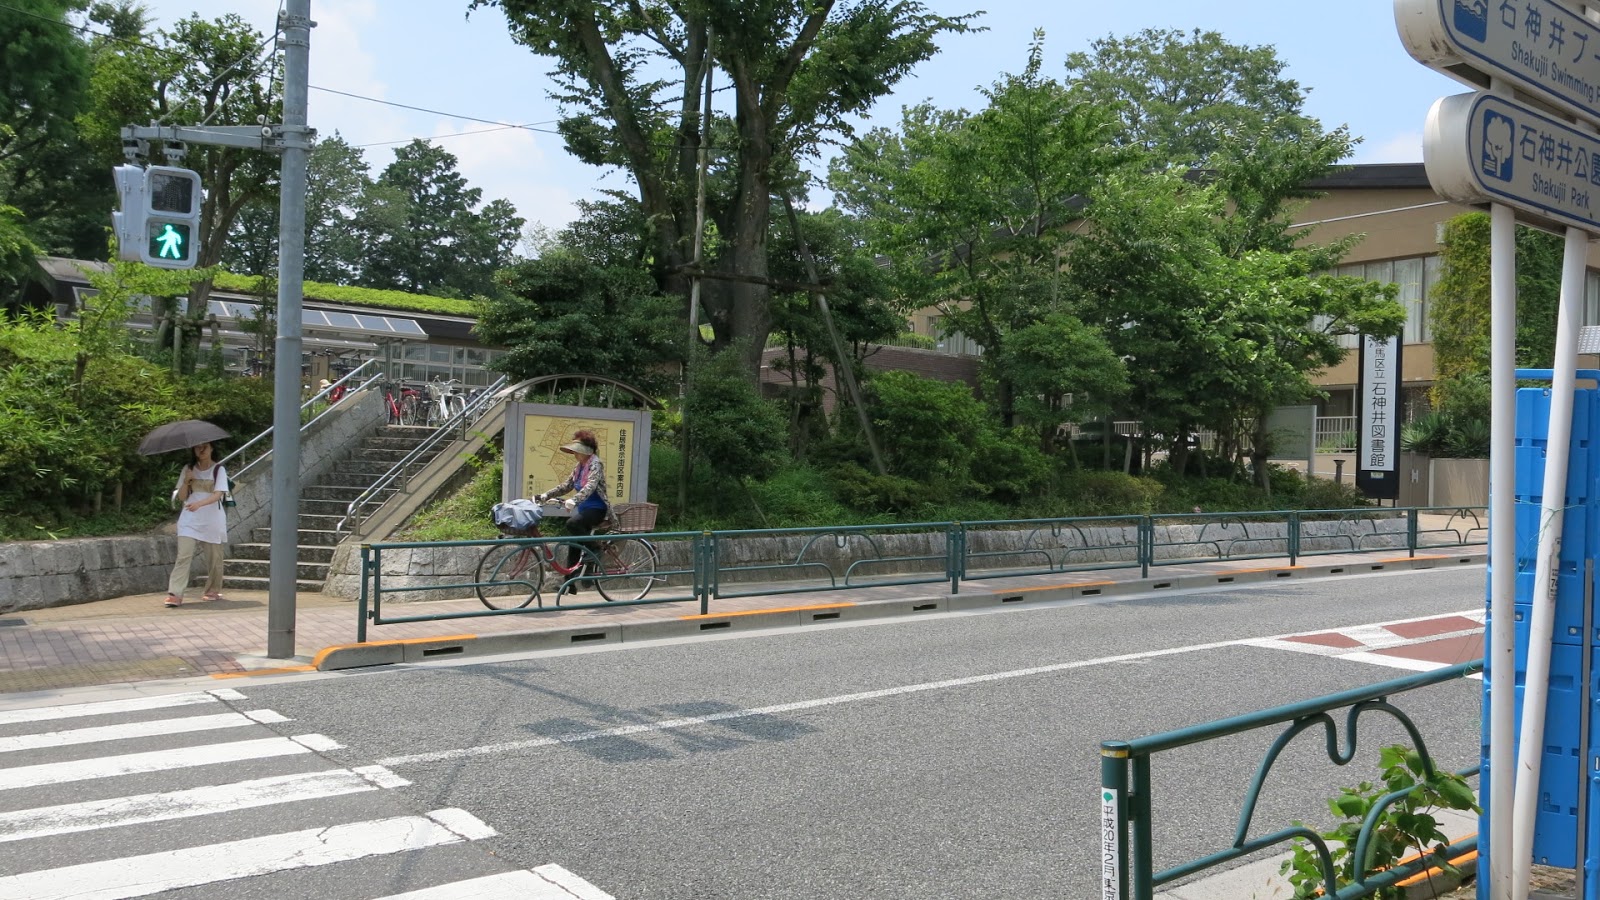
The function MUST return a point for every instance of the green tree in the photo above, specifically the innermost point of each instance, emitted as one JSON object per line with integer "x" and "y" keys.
{"x": 1460, "y": 311}
{"x": 197, "y": 71}
{"x": 16, "y": 255}
{"x": 561, "y": 313}
{"x": 859, "y": 300}
{"x": 425, "y": 231}
{"x": 1182, "y": 96}
{"x": 45, "y": 171}
{"x": 992, "y": 198}
{"x": 632, "y": 77}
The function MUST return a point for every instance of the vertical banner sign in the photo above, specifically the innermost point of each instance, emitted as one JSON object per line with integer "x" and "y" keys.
{"x": 1110, "y": 845}
{"x": 1378, "y": 439}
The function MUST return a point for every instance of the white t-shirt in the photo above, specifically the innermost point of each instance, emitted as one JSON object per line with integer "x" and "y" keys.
{"x": 208, "y": 523}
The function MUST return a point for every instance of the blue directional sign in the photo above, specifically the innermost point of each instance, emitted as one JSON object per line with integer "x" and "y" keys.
{"x": 1542, "y": 47}
{"x": 1480, "y": 148}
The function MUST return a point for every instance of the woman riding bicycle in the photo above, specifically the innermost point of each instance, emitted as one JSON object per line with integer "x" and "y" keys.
{"x": 590, "y": 506}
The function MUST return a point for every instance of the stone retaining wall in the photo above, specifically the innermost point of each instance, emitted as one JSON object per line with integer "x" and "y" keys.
{"x": 863, "y": 557}
{"x": 37, "y": 574}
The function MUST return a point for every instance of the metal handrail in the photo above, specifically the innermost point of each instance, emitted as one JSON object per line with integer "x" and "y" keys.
{"x": 469, "y": 413}
{"x": 1125, "y": 778}
{"x": 303, "y": 428}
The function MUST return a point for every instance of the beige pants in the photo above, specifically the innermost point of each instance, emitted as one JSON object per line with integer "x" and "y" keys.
{"x": 180, "y": 569}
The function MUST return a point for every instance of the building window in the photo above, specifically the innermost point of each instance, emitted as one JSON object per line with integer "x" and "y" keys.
{"x": 1415, "y": 277}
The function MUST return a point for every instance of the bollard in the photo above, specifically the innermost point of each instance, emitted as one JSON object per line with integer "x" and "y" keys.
{"x": 1338, "y": 471}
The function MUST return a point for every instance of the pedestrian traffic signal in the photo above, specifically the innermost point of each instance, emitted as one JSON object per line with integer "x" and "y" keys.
{"x": 172, "y": 217}
{"x": 159, "y": 222}
{"x": 128, "y": 222}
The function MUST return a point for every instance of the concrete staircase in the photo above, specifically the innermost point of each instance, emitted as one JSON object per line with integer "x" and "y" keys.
{"x": 322, "y": 505}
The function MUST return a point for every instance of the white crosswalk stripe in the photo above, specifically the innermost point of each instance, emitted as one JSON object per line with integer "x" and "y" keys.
{"x": 158, "y": 728}
{"x": 161, "y": 760}
{"x": 139, "y": 876}
{"x": 145, "y": 808}
{"x": 544, "y": 883}
{"x": 202, "y": 783}
{"x": 104, "y": 707}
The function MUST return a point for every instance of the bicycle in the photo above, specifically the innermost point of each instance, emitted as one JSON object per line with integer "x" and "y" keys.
{"x": 402, "y": 411}
{"x": 447, "y": 399}
{"x": 511, "y": 576}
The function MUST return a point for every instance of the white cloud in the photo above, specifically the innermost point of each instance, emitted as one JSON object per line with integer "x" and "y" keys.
{"x": 511, "y": 164}
{"x": 1400, "y": 148}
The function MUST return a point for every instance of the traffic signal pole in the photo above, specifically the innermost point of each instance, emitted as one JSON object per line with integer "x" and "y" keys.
{"x": 293, "y": 140}
{"x": 295, "y": 24}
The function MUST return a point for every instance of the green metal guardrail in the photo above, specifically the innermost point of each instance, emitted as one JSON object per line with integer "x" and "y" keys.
{"x": 1127, "y": 834}
{"x": 719, "y": 564}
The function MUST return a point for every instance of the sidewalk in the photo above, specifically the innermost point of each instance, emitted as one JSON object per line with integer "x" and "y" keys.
{"x": 130, "y": 639}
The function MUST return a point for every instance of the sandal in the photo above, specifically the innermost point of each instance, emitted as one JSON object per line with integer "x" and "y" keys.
{"x": 173, "y": 600}
{"x": 213, "y": 597}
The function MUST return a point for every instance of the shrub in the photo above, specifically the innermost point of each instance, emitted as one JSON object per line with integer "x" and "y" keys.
{"x": 1102, "y": 493}
{"x": 1011, "y": 465}
{"x": 928, "y": 426}
{"x": 870, "y": 492}
{"x": 730, "y": 425}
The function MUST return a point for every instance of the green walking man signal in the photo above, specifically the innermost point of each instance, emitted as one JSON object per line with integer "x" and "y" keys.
{"x": 159, "y": 220}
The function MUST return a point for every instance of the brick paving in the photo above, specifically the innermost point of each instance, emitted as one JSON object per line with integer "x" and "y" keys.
{"x": 136, "y": 638}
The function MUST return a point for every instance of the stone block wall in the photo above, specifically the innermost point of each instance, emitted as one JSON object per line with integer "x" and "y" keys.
{"x": 38, "y": 574}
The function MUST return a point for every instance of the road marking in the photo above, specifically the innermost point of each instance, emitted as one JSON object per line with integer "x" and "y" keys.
{"x": 571, "y": 883}
{"x": 139, "y": 876}
{"x": 162, "y": 760}
{"x": 109, "y": 707}
{"x": 544, "y": 883}
{"x": 127, "y": 730}
{"x": 26, "y": 824}
{"x": 671, "y": 724}
{"x": 693, "y": 721}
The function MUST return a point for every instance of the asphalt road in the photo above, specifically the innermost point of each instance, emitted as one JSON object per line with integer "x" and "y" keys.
{"x": 941, "y": 757}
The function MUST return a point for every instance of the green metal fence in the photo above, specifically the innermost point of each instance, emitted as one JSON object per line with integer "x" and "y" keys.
{"x": 1127, "y": 832}
{"x": 704, "y": 566}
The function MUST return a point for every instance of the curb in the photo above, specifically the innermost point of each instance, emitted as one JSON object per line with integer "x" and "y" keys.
{"x": 411, "y": 650}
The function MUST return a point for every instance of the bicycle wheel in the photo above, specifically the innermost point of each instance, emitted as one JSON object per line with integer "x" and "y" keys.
{"x": 509, "y": 576}
{"x": 575, "y": 583}
{"x": 408, "y": 411}
{"x": 629, "y": 565}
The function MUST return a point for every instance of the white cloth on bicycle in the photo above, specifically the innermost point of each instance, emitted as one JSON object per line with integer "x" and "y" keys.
{"x": 520, "y": 514}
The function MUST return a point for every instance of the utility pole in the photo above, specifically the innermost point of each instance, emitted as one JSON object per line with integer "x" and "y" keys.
{"x": 295, "y": 24}
{"x": 293, "y": 140}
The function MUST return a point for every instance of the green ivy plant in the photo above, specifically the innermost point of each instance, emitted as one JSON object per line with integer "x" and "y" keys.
{"x": 1407, "y": 827}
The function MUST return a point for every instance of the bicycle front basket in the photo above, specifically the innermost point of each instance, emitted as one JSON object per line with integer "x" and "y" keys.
{"x": 635, "y": 517}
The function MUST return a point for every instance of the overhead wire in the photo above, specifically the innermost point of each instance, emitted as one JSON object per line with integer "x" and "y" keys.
{"x": 499, "y": 126}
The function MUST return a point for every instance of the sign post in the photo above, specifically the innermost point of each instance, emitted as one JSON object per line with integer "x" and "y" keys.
{"x": 1515, "y": 150}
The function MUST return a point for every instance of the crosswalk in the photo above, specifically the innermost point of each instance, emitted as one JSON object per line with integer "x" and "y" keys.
{"x": 1415, "y": 645}
{"x": 185, "y": 794}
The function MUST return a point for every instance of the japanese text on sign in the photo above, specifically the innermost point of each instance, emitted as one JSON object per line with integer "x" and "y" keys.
{"x": 1110, "y": 846}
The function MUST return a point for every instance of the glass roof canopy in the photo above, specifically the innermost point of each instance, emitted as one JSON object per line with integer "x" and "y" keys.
{"x": 330, "y": 321}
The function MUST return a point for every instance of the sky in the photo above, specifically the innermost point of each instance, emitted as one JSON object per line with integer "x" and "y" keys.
{"x": 432, "y": 54}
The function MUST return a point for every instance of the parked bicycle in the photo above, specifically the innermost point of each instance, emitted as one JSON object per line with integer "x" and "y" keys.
{"x": 402, "y": 401}
{"x": 448, "y": 400}
{"x": 511, "y": 576}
